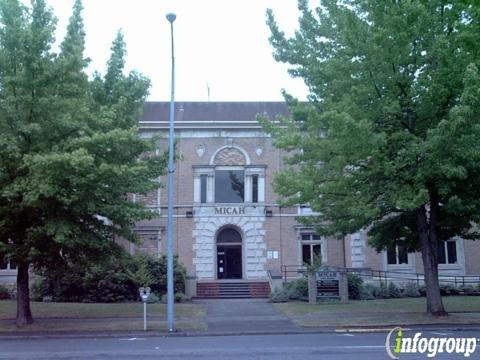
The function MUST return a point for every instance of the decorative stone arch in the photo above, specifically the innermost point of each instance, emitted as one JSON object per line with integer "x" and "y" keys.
{"x": 230, "y": 253}
{"x": 227, "y": 227}
{"x": 205, "y": 235}
{"x": 230, "y": 155}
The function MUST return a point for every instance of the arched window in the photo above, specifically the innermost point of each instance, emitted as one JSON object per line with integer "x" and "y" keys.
{"x": 229, "y": 236}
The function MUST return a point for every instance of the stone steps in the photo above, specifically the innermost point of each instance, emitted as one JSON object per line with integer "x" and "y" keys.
{"x": 233, "y": 290}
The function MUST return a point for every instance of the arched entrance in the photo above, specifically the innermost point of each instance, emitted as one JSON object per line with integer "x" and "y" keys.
{"x": 229, "y": 254}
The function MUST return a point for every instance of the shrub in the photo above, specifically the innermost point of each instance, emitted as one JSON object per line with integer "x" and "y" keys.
{"x": 105, "y": 285}
{"x": 381, "y": 292}
{"x": 4, "y": 293}
{"x": 157, "y": 269}
{"x": 64, "y": 283}
{"x": 315, "y": 265}
{"x": 468, "y": 290}
{"x": 113, "y": 280}
{"x": 394, "y": 291}
{"x": 367, "y": 291}
{"x": 140, "y": 275}
{"x": 448, "y": 289}
{"x": 38, "y": 288}
{"x": 355, "y": 283}
{"x": 444, "y": 290}
{"x": 153, "y": 298}
{"x": 454, "y": 290}
{"x": 179, "y": 297}
{"x": 8, "y": 292}
{"x": 278, "y": 296}
{"x": 411, "y": 290}
{"x": 12, "y": 288}
{"x": 297, "y": 289}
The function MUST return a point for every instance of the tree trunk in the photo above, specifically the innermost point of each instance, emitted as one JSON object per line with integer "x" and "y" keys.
{"x": 24, "y": 314}
{"x": 429, "y": 246}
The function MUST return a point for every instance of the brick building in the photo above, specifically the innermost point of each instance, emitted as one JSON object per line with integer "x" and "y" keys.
{"x": 228, "y": 223}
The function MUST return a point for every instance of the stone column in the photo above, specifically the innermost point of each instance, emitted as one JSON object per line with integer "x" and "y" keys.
{"x": 210, "y": 188}
{"x": 261, "y": 188}
{"x": 248, "y": 189}
{"x": 196, "y": 189}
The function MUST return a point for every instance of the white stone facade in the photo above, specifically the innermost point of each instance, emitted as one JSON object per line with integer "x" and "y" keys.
{"x": 357, "y": 244}
{"x": 254, "y": 248}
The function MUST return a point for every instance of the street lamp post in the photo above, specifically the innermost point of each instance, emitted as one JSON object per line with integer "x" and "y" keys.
{"x": 171, "y": 169}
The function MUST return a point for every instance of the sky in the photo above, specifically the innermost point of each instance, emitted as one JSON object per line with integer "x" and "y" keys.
{"x": 220, "y": 44}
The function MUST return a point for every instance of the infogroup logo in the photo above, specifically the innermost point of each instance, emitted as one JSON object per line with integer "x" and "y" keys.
{"x": 428, "y": 346}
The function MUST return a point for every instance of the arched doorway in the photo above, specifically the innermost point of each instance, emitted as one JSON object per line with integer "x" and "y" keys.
{"x": 229, "y": 254}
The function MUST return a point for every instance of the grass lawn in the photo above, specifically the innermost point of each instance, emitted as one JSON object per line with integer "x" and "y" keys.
{"x": 78, "y": 317}
{"x": 97, "y": 310}
{"x": 387, "y": 312}
{"x": 452, "y": 304}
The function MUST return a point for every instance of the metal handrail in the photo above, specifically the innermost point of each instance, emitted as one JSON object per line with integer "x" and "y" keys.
{"x": 385, "y": 275}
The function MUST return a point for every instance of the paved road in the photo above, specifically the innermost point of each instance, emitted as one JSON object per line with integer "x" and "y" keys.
{"x": 299, "y": 346}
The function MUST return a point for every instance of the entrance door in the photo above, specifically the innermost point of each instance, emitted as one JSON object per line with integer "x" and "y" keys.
{"x": 229, "y": 254}
{"x": 229, "y": 261}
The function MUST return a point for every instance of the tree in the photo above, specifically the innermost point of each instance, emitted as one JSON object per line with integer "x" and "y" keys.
{"x": 388, "y": 140}
{"x": 68, "y": 156}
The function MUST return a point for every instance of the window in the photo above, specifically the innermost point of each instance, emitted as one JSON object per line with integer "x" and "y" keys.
{"x": 229, "y": 186}
{"x": 254, "y": 188}
{"x": 311, "y": 248}
{"x": 311, "y": 237}
{"x": 447, "y": 252}
{"x": 304, "y": 210}
{"x": 203, "y": 189}
{"x": 397, "y": 254}
{"x": 228, "y": 235}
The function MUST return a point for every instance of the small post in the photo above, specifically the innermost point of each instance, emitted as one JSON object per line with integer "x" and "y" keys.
{"x": 343, "y": 286}
{"x": 312, "y": 288}
{"x": 144, "y": 316}
{"x": 144, "y": 294}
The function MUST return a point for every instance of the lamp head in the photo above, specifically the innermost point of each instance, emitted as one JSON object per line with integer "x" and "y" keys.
{"x": 171, "y": 17}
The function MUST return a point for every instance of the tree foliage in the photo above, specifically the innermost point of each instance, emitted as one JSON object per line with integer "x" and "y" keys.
{"x": 389, "y": 137}
{"x": 69, "y": 146}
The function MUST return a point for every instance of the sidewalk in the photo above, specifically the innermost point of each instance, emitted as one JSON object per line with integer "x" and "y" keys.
{"x": 245, "y": 316}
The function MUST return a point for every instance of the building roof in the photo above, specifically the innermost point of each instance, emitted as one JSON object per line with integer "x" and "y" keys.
{"x": 156, "y": 114}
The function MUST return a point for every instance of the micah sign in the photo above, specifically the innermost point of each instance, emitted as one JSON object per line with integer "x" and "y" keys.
{"x": 327, "y": 282}
{"x": 230, "y": 210}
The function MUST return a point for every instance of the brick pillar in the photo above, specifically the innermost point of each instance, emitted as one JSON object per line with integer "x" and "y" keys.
{"x": 312, "y": 288}
{"x": 343, "y": 287}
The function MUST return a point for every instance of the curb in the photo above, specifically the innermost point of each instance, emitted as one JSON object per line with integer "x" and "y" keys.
{"x": 150, "y": 334}
{"x": 136, "y": 335}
